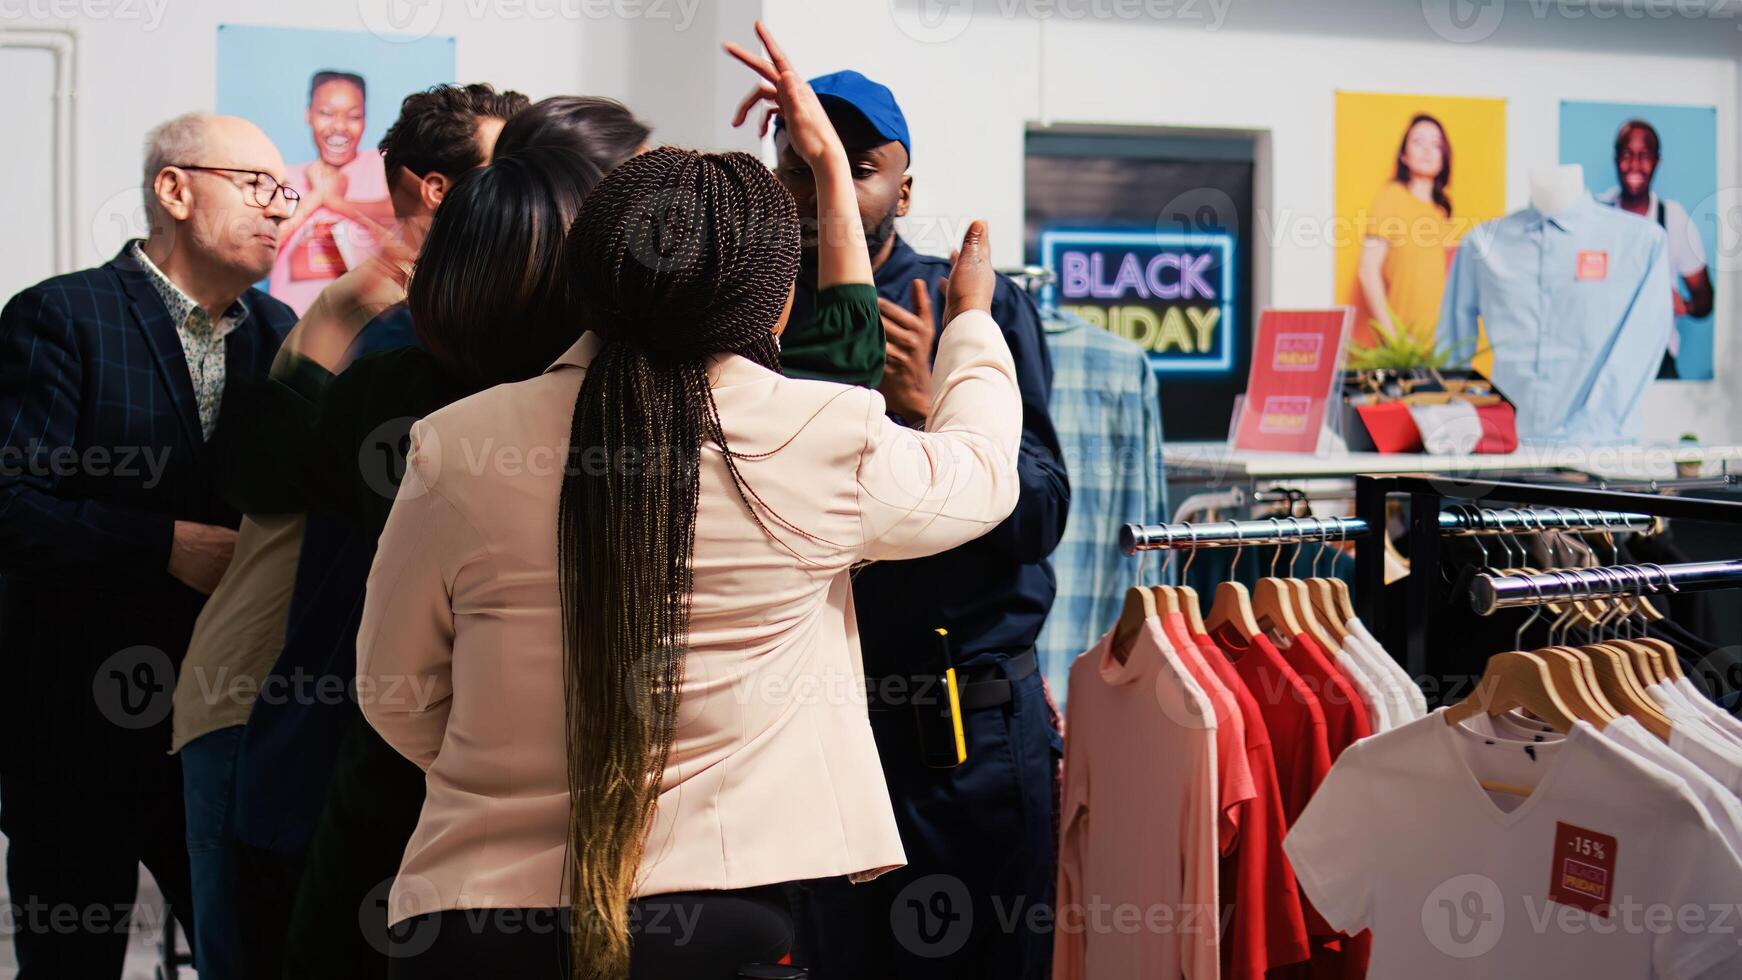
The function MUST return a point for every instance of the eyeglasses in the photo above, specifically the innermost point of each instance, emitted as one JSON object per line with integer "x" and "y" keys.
{"x": 263, "y": 188}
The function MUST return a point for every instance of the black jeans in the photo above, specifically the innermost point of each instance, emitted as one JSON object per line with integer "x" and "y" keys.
{"x": 72, "y": 869}
{"x": 338, "y": 925}
{"x": 685, "y": 936}
{"x": 975, "y": 899}
{"x": 268, "y": 882}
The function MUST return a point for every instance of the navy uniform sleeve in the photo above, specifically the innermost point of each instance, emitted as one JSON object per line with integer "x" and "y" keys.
{"x": 1033, "y": 530}
{"x": 41, "y": 533}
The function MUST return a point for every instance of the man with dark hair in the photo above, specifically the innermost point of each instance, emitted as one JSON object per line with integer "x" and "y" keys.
{"x": 305, "y": 574}
{"x": 981, "y": 836}
{"x": 1637, "y": 154}
{"x": 447, "y": 131}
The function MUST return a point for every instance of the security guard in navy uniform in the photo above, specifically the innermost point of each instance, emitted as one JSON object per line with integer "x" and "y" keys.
{"x": 975, "y": 899}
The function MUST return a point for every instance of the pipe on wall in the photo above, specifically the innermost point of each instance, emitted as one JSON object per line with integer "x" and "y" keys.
{"x": 60, "y": 44}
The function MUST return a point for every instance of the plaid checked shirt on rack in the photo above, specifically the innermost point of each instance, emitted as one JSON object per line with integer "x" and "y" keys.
{"x": 1106, "y": 406}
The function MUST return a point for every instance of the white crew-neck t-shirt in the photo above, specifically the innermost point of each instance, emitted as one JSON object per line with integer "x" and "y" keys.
{"x": 1719, "y": 803}
{"x": 1413, "y": 702}
{"x": 1367, "y": 687}
{"x": 1458, "y": 883}
{"x": 1716, "y": 715}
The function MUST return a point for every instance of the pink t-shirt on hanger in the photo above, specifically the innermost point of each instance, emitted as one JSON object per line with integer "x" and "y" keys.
{"x": 1138, "y": 844}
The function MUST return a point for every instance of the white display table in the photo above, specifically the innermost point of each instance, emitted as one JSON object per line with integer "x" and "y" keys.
{"x": 1215, "y": 462}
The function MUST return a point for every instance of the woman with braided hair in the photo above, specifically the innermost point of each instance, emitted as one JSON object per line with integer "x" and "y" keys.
{"x": 613, "y": 602}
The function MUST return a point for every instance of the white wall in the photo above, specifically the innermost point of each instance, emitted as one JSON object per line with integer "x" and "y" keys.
{"x": 142, "y": 61}
{"x": 972, "y": 75}
{"x": 25, "y": 252}
{"x": 971, "y": 79}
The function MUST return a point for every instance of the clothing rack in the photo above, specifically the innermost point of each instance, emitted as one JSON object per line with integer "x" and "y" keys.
{"x": 1032, "y": 278}
{"x": 1464, "y": 521}
{"x": 1489, "y": 593}
{"x": 1405, "y": 628}
{"x": 1223, "y": 534}
{"x": 1718, "y": 482}
{"x": 1469, "y": 519}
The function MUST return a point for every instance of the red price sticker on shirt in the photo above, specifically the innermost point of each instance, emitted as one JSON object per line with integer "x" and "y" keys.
{"x": 1593, "y": 266}
{"x": 1583, "y": 875}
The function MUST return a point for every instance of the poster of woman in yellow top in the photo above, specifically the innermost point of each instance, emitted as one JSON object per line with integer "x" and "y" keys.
{"x": 1401, "y": 206}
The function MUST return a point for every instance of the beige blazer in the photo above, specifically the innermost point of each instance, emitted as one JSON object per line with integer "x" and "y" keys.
{"x": 773, "y": 774}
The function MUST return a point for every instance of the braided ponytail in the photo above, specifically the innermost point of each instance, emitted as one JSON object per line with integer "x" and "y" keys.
{"x": 676, "y": 256}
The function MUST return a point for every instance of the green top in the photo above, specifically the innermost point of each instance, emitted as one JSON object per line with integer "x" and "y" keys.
{"x": 841, "y": 339}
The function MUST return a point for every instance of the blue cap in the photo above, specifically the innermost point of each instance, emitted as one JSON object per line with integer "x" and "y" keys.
{"x": 873, "y": 101}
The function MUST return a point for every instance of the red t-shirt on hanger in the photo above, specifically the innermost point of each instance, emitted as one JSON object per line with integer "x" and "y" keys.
{"x": 1267, "y": 928}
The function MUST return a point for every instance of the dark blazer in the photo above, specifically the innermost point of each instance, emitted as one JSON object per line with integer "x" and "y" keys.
{"x": 100, "y": 453}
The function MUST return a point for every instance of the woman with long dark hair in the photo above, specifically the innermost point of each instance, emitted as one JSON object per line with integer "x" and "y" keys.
{"x": 615, "y": 599}
{"x": 488, "y": 302}
{"x": 1407, "y": 236}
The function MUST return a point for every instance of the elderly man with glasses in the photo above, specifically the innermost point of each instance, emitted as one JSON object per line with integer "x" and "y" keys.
{"x": 112, "y": 533}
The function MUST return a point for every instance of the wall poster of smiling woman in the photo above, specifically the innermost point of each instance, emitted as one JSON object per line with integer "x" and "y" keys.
{"x": 325, "y": 98}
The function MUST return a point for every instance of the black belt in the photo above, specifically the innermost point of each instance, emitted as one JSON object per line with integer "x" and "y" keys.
{"x": 977, "y": 688}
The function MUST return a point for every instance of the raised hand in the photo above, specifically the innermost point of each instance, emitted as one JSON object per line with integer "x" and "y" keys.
{"x": 972, "y": 281}
{"x": 790, "y": 97}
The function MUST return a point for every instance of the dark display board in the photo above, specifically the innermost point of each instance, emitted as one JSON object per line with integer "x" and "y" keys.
{"x": 1149, "y": 237}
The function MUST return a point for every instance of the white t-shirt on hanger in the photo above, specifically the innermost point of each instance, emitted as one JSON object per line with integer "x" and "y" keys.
{"x": 1360, "y": 674}
{"x": 1669, "y": 692}
{"x": 1410, "y": 693}
{"x": 1719, "y": 803}
{"x": 1718, "y": 716}
{"x": 1457, "y": 883}
{"x": 1693, "y": 738}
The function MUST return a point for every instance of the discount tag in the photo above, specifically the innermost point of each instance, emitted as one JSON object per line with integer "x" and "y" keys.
{"x": 1583, "y": 875}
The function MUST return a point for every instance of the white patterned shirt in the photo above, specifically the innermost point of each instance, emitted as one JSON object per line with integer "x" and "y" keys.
{"x": 202, "y": 341}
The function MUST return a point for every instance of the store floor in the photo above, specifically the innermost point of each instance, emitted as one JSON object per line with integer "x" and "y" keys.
{"x": 141, "y": 948}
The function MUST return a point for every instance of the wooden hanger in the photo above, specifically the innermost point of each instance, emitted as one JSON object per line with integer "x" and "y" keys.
{"x": 1301, "y": 595}
{"x": 1345, "y": 603}
{"x": 1615, "y": 676}
{"x": 1193, "y": 609}
{"x": 1273, "y": 600}
{"x": 1515, "y": 680}
{"x": 1322, "y": 596}
{"x": 1644, "y": 660}
{"x": 1672, "y": 666}
{"x": 1166, "y": 599}
{"x": 1273, "y": 605}
{"x": 1612, "y": 663}
{"x": 1665, "y": 664}
{"x": 1233, "y": 605}
{"x": 1189, "y": 603}
{"x": 1139, "y": 607}
{"x": 1311, "y": 623}
{"x": 1567, "y": 668}
{"x": 1318, "y": 598}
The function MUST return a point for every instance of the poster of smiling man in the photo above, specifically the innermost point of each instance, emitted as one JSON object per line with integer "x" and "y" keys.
{"x": 1660, "y": 162}
{"x": 325, "y": 98}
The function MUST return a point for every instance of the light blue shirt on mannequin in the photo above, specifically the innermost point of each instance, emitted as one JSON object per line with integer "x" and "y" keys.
{"x": 1578, "y": 311}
